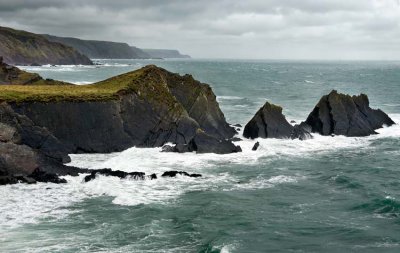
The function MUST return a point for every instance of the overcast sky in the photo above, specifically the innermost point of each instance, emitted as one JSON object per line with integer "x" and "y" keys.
{"x": 259, "y": 29}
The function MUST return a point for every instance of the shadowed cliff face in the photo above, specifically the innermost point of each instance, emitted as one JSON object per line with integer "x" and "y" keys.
{"x": 24, "y": 48}
{"x": 152, "y": 107}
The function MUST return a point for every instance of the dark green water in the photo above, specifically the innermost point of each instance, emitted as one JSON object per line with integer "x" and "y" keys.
{"x": 322, "y": 195}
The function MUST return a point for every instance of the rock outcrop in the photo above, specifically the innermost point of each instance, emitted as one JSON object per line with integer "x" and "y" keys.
{"x": 164, "y": 53}
{"x": 340, "y": 114}
{"x": 96, "y": 49}
{"x": 24, "y": 48}
{"x": 269, "y": 122}
{"x": 148, "y": 109}
{"x": 10, "y": 75}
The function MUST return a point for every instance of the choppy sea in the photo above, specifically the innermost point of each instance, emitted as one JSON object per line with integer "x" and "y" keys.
{"x": 328, "y": 194}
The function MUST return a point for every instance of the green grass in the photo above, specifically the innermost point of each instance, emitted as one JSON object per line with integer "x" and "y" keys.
{"x": 147, "y": 83}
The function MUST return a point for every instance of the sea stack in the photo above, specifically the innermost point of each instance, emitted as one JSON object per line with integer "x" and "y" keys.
{"x": 340, "y": 114}
{"x": 269, "y": 122}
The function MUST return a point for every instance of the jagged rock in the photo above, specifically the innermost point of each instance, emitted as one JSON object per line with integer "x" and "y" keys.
{"x": 134, "y": 175}
{"x": 256, "y": 145}
{"x": 235, "y": 139}
{"x": 204, "y": 143}
{"x": 4, "y": 180}
{"x": 152, "y": 108}
{"x": 41, "y": 176}
{"x": 342, "y": 114}
{"x": 293, "y": 121}
{"x": 173, "y": 173}
{"x": 268, "y": 122}
{"x": 116, "y": 173}
{"x": 237, "y": 125}
{"x": 25, "y": 179}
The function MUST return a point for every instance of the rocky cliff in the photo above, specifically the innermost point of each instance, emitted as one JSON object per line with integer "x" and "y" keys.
{"x": 101, "y": 49}
{"x": 148, "y": 108}
{"x": 24, "y": 48}
{"x": 164, "y": 53}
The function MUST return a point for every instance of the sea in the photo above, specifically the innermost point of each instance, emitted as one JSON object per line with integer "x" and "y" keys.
{"x": 327, "y": 194}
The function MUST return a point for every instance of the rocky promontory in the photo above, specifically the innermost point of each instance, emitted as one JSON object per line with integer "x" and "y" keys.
{"x": 41, "y": 124}
{"x": 25, "y": 48}
{"x": 96, "y": 49}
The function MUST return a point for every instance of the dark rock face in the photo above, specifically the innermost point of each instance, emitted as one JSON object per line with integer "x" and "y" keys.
{"x": 200, "y": 102}
{"x": 19, "y": 129}
{"x": 341, "y": 114}
{"x": 117, "y": 173}
{"x": 133, "y": 175}
{"x": 174, "y": 173}
{"x": 269, "y": 122}
{"x": 41, "y": 176}
{"x": 142, "y": 118}
{"x": 256, "y": 145}
{"x": 204, "y": 143}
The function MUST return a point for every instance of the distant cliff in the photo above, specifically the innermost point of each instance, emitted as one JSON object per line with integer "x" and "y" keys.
{"x": 165, "y": 53}
{"x": 101, "y": 49}
{"x": 25, "y": 48}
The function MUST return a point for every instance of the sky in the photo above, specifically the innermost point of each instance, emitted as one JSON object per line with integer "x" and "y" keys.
{"x": 250, "y": 29}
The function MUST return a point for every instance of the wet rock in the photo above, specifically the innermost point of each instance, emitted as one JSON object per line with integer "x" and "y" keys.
{"x": 293, "y": 121}
{"x": 174, "y": 173}
{"x": 204, "y": 143}
{"x": 25, "y": 179}
{"x": 4, "y": 180}
{"x": 346, "y": 115}
{"x": 237, "y": 125}
{"x": 115, "y": 173}
{"x": 236, "y": 139}
{"x": 268, "y": 122}
{"x": 45, "y": 177}
{"x": 302, "y": 132}
{"x": 256, "y": 145}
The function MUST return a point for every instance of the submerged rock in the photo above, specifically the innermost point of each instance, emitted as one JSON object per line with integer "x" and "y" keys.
{"x": 269, "y": 122}
{"x": 115, "y": 173}
{"x": 133, "y": 175}
{"x": 204, "y": 143}
{"x": 256, "y": 145}
{"x": 174, "y": 173}
{"x": 341, "y": 114}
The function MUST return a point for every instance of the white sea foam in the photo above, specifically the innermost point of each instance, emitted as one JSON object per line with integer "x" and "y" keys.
{"x": 219, "y": 98}
{"x": 27, "y": 203}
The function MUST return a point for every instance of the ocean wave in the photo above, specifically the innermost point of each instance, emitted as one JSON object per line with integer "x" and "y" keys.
{"x": 261, "y": 183}
{"x": 386, "y": 207}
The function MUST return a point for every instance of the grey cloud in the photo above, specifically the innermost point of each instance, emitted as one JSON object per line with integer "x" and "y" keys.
{"x": 225, "y": 28}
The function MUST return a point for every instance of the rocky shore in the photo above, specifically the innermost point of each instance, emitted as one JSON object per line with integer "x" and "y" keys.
{"x": 43, "y": 121}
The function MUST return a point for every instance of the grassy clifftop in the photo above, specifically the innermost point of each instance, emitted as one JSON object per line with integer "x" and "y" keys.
{"x": 148, "y": 83}
{"x": 25, "y": 48}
